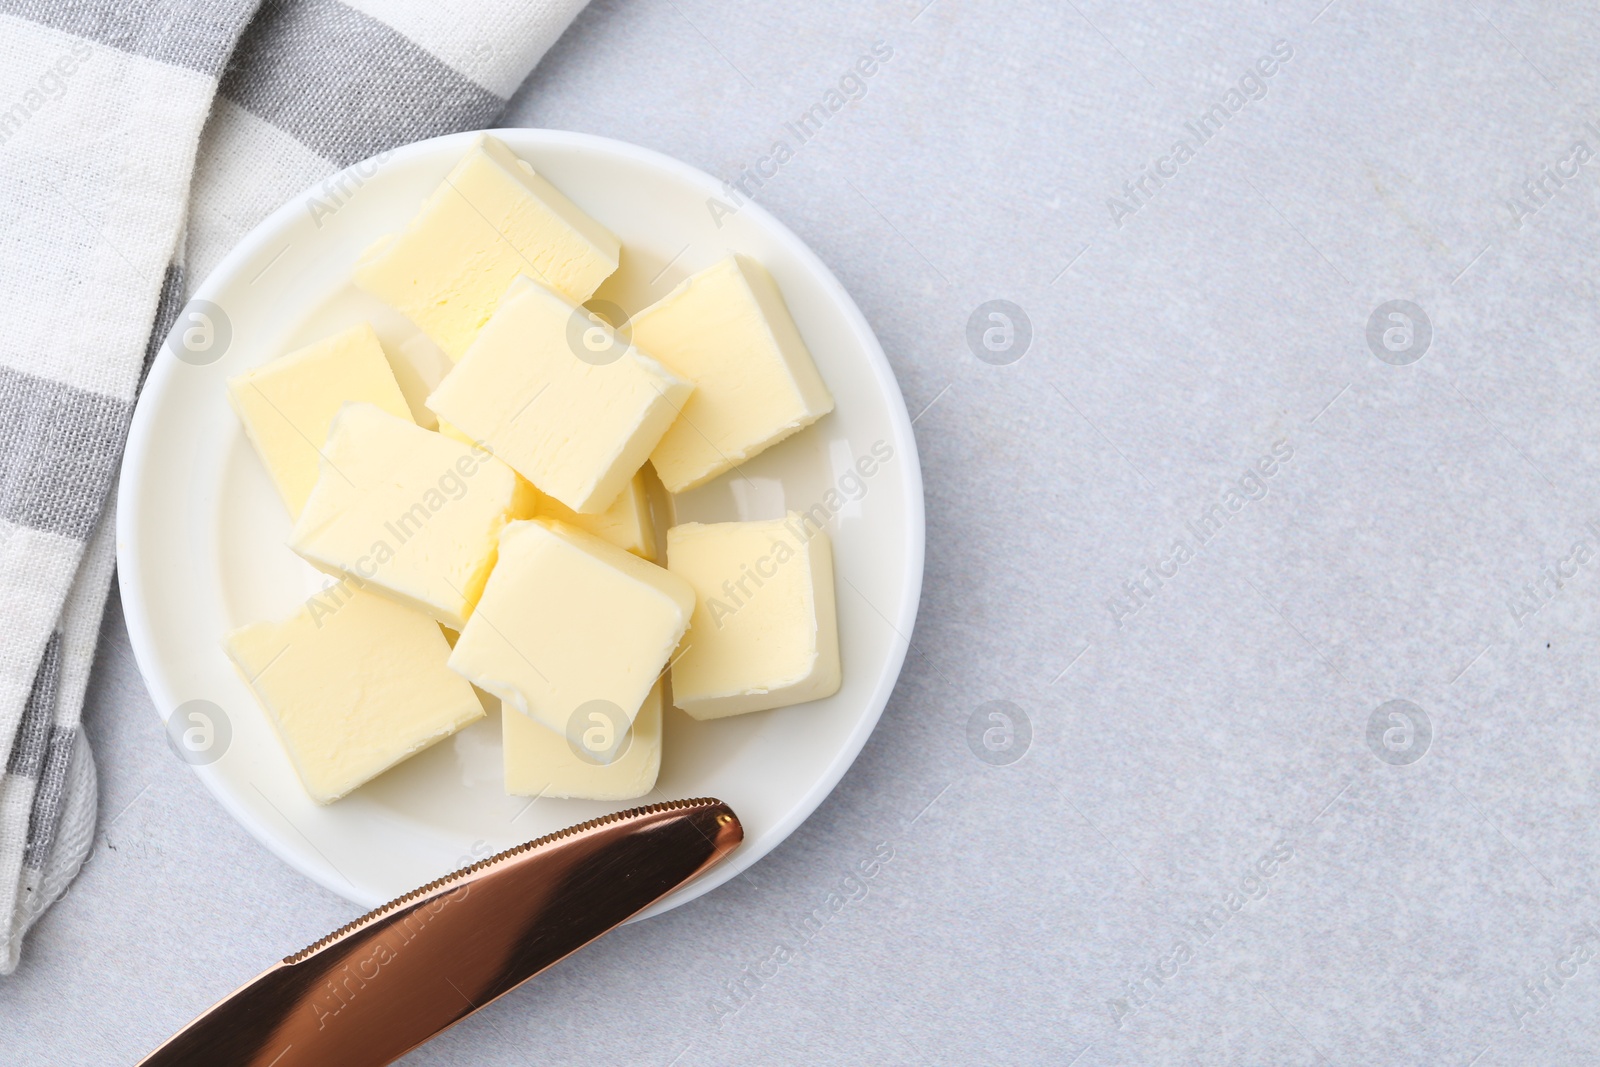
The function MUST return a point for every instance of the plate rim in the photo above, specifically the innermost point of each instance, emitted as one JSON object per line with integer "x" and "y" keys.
{"x": 143, "y": 425}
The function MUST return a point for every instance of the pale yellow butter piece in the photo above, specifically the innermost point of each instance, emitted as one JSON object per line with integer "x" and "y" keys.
{"x": 287, "y": 405}
{"x": 568, "y": 619}
{"x": 626, "y": 523}
{"x": 764, "y": 633}
{"x": 455, "y": 434}
{"x": 491, "y": 219}
{"x": 728, "y": 330}
{"x": 354, "y": 683}
{"x": 576, "y": 421}
{"x": 413, "y": 513}
{"x": 597, "y": 760}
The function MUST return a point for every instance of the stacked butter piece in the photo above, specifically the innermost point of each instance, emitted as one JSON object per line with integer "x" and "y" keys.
{"x": 514, "y": 548}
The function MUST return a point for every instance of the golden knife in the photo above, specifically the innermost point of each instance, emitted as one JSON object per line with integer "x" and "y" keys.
{"x": 375, "y": 989}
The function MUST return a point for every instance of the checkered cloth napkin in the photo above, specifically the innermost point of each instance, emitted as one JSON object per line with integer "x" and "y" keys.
{"x": 139, "y": 140}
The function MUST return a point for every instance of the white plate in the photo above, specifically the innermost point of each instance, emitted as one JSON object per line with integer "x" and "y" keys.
{"x": 200, "y": 531}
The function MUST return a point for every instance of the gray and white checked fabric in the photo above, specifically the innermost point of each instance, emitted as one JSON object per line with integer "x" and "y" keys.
{"x": 138, "y": 143}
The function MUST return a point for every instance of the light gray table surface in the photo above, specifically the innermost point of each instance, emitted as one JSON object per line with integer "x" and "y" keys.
{"x": 1199, "y": 857}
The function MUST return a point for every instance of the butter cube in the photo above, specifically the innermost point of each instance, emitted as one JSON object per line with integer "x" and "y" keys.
{"x": 764, "y": 633}
{"x": 354, "y": 684}
{"x": 287, "y": 405}
{"x": 412, "y": 512}
{"x": 626, "y": 523}
{"x": 568, "y": 619}
{"x": 455, "y": 433}
{"x": 576, "y": 424}
{"x": 728, "y": 330}
{"x": 492, "y": 219}
{"x": 596, "y": 760}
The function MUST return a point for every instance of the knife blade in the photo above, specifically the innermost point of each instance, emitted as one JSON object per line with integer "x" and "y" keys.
{"x": 378, "y": 987}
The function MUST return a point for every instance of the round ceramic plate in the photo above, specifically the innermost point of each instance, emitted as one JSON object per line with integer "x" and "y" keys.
{"x": 200, "y": 530}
